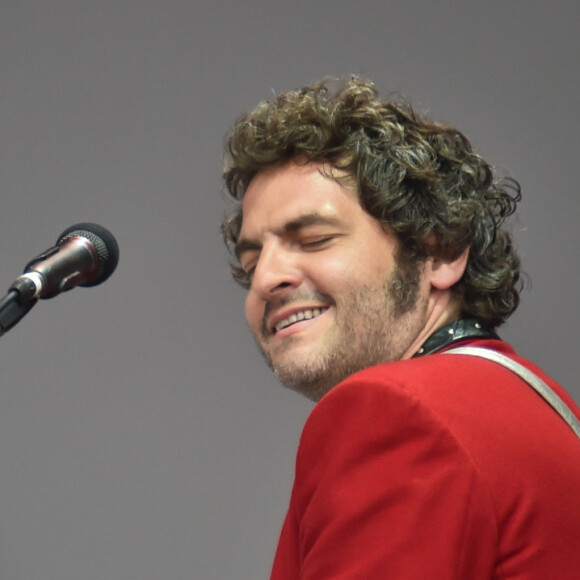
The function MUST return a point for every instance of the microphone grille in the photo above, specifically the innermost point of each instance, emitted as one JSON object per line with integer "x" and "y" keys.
{"x": 104, "y": 244}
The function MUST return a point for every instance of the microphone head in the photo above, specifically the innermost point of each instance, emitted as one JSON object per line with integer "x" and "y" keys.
{"x": 103, "y": 242}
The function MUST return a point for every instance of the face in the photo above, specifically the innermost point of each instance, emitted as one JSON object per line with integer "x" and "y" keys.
{"x": 326, "y": 297}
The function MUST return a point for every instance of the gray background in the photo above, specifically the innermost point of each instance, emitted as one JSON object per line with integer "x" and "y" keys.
{"x": 140, "y": 435}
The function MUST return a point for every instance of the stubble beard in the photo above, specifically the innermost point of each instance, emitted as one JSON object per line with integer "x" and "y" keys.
{"x": 374, "y": 324}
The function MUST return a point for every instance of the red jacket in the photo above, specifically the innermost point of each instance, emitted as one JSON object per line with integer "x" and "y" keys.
{"x": 436, "y": 468}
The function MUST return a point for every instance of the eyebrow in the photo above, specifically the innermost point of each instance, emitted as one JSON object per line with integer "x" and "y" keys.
{"x": 290, "y": 227}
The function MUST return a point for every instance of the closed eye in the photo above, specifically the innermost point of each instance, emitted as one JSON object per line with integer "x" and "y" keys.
{"x": 248, "y": 255}
{"x": 248, "y": 270}
{"x": 316, "y": 243}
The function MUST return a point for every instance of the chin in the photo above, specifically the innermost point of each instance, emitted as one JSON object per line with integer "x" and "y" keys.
{"x": 311, "y": 382}
{"x": 313, "y": 391}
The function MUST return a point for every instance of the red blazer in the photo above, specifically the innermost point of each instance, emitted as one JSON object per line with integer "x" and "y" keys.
{"x": 436, "y": 468}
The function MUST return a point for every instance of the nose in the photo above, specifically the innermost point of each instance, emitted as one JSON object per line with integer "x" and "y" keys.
{"x": 275, "y": 272}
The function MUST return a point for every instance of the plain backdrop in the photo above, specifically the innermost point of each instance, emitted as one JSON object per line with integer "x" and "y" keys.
{"x": 141, "y": 436}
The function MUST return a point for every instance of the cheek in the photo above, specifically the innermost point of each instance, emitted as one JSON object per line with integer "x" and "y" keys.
{"x": 253, "y": 310}
{"x": 352, "y": 269}
{"x": 330, "y": 271}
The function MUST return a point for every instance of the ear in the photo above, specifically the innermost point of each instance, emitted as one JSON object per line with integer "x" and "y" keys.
{"x": 445, "y": 272}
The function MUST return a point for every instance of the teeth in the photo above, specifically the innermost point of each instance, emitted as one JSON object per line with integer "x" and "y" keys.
{"x": 298, "y": 316}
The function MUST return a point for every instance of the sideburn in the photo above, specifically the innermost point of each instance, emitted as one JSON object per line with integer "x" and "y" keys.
{"x": 404, "y": 285}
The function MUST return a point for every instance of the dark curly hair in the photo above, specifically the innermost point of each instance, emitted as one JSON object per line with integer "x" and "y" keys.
{"x": 420, "y": 178}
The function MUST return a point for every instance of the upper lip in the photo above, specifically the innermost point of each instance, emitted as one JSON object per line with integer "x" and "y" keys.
{"x": 277, "y": 317}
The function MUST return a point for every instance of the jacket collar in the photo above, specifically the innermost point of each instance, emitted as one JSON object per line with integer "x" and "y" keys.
{"x": 462, "y": 329}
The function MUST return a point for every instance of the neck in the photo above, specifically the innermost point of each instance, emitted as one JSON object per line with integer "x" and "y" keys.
{"x": 442, "y": 309}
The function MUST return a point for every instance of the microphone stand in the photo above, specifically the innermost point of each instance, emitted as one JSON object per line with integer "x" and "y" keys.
{"x": 13, "y": 307}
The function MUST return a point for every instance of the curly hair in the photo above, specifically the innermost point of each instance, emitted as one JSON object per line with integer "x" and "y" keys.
{"x": 420, "y": 178}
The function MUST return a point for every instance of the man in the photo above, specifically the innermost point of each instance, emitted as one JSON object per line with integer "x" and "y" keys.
{"x": 370, "y": 242}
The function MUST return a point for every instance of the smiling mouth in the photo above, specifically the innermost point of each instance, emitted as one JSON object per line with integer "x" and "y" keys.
{"x": 307, "y": 314}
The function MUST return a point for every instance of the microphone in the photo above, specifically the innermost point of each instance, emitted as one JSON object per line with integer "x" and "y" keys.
{"x": 85, "y": 254}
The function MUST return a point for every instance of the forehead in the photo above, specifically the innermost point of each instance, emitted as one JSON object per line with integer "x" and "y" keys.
{"x": 282, "y": 194}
